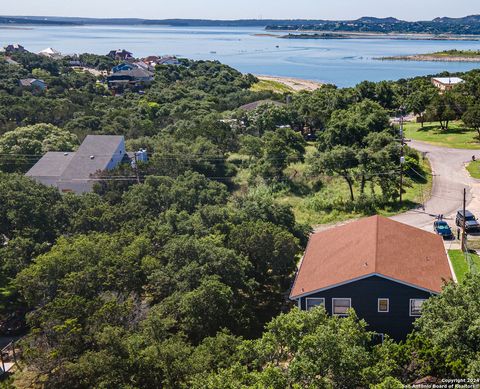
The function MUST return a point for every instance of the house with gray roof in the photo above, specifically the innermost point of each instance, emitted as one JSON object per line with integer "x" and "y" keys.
{"x": 33, "y": 83}
{"x": 75, "y": 171}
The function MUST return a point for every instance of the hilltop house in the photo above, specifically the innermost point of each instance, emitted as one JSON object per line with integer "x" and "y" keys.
{"x": 33, "y": 83}
{"x": 14, "y": 48}
{"x": 51, "y": 53}
{"x": 134, "y": 78}
{"x": 73, "y": 171}
{"x": 124, "y": 66}
{"x": 120, "y": 55}
{"x": 382, "y": 269}
{"x": 446, "y": 83}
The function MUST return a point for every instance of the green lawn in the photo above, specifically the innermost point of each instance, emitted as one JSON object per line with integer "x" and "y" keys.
{"x": 271, "y": 86}
{"x": 457, "y": 136}
{"x": 460, "y": 264}
{"x": 474, "y": 169}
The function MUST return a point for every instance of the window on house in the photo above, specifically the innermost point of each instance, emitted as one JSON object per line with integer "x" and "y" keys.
{"x": 416, "y": 307}
{"x": 383, "y": 305}
{"x": 340, "y": 306}
{"x": 314, "y": 302}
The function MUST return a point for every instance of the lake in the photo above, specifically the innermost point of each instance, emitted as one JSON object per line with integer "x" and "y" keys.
{"x": 343, "y": 62}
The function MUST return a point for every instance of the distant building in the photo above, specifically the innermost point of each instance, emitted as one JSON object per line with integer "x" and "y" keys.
{"x": 168, "y": 60}
{"x": 11, "y": 61}
{"x": 33, "y": 83}
{"x": 135, "y": 78}
{"x": 120, "y": 55}
{"x": 14, "y": 48}
{"x": 74, "y": 171}
{"x": 382, "y": 269}
{"x": 51, "y": 53}
{"x": 124, "y": 66}
{"x": 446, "y": 83}
{"x": 259, "y": 103}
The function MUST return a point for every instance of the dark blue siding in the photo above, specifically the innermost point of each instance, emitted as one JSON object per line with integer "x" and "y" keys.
{"x": 365, "y": 294}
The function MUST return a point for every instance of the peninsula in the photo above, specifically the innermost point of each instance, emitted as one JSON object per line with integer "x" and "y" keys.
{"x": 441, "y": 56}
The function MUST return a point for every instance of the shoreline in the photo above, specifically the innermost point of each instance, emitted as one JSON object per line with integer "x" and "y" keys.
{"x": 368, "y": 35}
{"x": 429, "y": 58}
{"x": 296, "y": 84}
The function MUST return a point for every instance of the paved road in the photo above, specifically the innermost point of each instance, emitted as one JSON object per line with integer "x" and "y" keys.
{"x": 450, "y": 178}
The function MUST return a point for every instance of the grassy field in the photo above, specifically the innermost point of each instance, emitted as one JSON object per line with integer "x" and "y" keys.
{"x": 271, "y": 86}
{"x": 460, "y": 264}
{"x": 457, "y": 136}
{"x": 474, "y": 169}
{"x": 305, "y": 205}
{"x": 312, "y": 200}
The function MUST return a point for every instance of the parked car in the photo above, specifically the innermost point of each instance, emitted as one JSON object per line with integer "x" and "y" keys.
{"x": 471, "y": 222}
{"x": 442, "y": 228}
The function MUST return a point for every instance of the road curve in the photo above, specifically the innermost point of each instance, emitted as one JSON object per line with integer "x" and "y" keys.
{"x": 450, "y": 177}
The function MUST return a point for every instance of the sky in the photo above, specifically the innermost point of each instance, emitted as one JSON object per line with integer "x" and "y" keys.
{"x": 243, "y": 9}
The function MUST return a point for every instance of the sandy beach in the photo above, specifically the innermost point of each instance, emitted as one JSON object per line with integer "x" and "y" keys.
{"x": 295, "y": 84}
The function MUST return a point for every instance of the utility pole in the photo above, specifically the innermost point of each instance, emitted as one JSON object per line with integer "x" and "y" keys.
{"x": 136, "y": 168}
{"x": 402, "y": 154}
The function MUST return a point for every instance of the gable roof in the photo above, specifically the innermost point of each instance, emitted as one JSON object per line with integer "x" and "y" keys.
{"x": 259, "y": 103}
{"x": 101, "y": 147}
{"x": 52, "y": 164}
{"x": 31, "y": 81}
{"x": 448, "y": 80}
{"x": 373, "y": 246}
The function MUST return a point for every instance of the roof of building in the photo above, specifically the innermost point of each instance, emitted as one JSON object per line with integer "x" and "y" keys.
{"x": 373, "y": 246}
{"x": 448, "y": 80}
{"x": 256, "y": 104}
{"x": 50, "y": 52}
{"x": 135, "y": 73}
{"x": 30, "y": 81}
{"x": 100, "y": 147}
{"x": 52, "y": 164}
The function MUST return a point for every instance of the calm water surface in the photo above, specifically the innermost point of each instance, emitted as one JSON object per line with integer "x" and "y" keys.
{"x": 343, "y": 62}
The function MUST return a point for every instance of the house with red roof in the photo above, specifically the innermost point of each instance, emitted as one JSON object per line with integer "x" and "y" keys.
{"x": 381, "y": 268}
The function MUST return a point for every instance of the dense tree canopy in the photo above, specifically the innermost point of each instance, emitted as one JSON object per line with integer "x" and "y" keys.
{"x": 179, "y": 277}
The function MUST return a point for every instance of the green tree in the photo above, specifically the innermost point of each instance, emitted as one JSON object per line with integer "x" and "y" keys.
{"x": 471, "y": 118}
{"x": 28, "y": 144}
{"x": 340, "y": 160}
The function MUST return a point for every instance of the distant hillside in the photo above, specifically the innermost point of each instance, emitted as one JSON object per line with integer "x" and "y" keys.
{"x": 26, "y": 20}
{"x": 445, "y": 25}
{"x": 469, "y": 25}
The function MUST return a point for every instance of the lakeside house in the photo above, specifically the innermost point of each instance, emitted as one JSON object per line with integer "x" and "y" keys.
{"x": 14, "y": 48}
{"x": 33, "y": 83}
{"x": 381, "y": 268}
{"x": 74, "y": 171}
{"x": 11, "y": 61}
{"x": 120, "y": 55}
{"x": 51, "y": 53}
{"x": 446, "y": 83}
{"x": 135, "y": 78}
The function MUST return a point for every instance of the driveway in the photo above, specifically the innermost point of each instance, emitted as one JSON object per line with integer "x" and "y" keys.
{"x": 450, "y": 178}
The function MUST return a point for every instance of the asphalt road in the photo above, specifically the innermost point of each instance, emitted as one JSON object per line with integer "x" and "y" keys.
{"x": 450, "y": 178}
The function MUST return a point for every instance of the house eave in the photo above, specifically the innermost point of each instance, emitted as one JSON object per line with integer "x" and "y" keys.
{"x": 296, "y": 297}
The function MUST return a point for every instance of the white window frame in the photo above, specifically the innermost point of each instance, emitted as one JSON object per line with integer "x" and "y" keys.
{"x": 410, "y": 307}
{"x": 314, "y": 298}
{"x": 333, "y": 305}
{"x": 388, "y": 305}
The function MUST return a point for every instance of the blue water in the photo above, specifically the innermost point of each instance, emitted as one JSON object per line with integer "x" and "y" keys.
{"x": 343, "y": 62}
